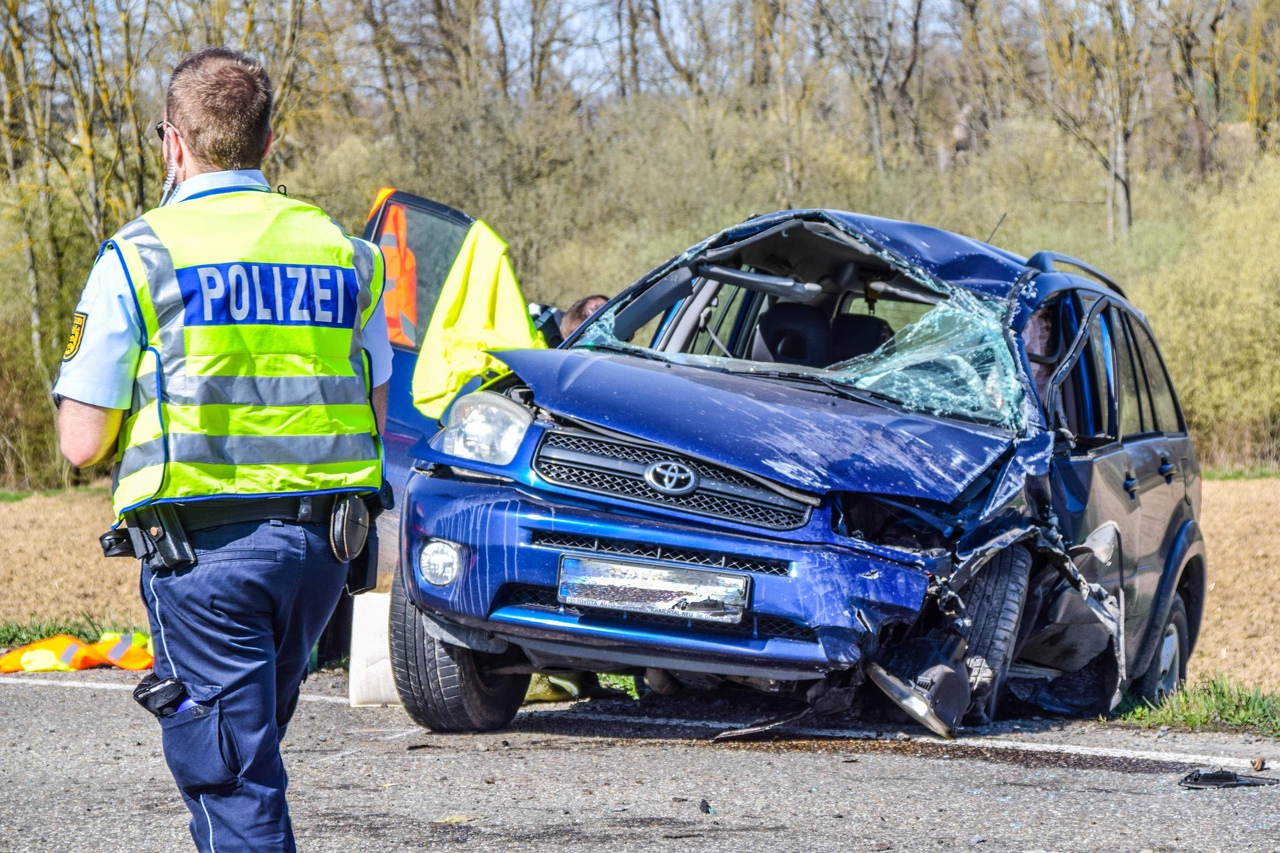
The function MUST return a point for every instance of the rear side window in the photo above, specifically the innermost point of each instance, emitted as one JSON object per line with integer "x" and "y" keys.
{"x": 419, "y": 247}
{"x": 1163, "y": 402}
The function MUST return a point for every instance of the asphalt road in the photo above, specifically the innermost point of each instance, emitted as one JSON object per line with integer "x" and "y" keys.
{"x": 81, "y": 769}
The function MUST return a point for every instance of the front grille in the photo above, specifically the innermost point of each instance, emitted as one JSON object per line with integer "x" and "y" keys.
{"x": 665, "y": 553}
{"x": 752, "y": 625}
{"x": 615, "y": 467}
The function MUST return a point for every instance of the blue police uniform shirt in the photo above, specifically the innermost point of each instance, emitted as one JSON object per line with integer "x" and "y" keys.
{"x": 101, "y": 368}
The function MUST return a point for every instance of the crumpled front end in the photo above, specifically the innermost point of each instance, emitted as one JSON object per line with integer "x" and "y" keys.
{"x": 814, "y": 604}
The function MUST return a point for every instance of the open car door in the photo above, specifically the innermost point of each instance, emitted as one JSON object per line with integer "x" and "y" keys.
{"x": 450, "y": 296}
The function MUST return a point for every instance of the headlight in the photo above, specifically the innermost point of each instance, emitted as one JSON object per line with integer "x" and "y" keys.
{"x": 439, "y": 562}
{"x": 485, "y": 427}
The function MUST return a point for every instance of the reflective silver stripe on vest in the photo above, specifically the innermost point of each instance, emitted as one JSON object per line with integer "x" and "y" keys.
{"x": 265, "y": 391}
{"x": 252, "y": 450}
{"x": 364, "y": 265}
{"x": 162, "y": 280}
{"x": 253, "y": 391}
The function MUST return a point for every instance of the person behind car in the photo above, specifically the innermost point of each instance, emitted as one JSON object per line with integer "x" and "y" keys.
{"x": 231, "y": 348}
{"x": 579, "y": 312}
{"x": 546, "y": 319}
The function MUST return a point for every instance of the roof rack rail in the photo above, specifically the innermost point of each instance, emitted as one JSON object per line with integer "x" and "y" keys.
{"x": 1045, "y": 260}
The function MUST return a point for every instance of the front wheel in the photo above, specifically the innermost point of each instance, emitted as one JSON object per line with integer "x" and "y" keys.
{"x": 994, "y": 600}
{"x": 444, "y": 687}
{"x": 1168, "y": 669}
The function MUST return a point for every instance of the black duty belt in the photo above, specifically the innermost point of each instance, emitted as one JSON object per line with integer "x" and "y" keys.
{"x": 309, "y": 509}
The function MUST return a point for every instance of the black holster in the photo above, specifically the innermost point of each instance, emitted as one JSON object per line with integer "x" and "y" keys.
{"x": 155, "y": 536}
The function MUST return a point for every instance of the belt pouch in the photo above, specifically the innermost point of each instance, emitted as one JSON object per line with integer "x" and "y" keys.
{"x": 348, "y": 527}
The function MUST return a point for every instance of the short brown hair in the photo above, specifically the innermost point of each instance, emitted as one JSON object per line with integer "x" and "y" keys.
{"x": 579, "y": 312}
{"x": 219, "y": 100}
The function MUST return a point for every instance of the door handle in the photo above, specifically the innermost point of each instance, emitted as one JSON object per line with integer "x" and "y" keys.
{"x": 1131, "y": 486}
{"x": 1167, "y": 470}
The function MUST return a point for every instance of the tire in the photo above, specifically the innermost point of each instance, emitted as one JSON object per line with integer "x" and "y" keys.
{"x": 1168, "y": 670}
{"x": 443, "y": 686}
{"x": 994, "y": 600}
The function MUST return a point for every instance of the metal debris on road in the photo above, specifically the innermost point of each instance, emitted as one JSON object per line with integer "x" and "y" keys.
{"x": 1202, "y": 779}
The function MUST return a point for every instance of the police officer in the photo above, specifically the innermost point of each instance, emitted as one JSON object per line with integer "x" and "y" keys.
{"x": 231, "y": 347}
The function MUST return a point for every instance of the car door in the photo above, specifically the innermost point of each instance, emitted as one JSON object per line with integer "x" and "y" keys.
{"x": 1148, "y": 481}
{"x": 1159, "y": 453}
{"x": 1092, "y": 466}
{"x": 420, "y": 240}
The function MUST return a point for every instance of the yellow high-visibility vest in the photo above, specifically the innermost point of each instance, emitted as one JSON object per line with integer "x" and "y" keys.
{"x": 253, "y": 379}
{"x": 480, "y": 308}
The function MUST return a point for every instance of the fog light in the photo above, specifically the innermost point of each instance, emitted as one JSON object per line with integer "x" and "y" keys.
{"x": 439, "y": 562}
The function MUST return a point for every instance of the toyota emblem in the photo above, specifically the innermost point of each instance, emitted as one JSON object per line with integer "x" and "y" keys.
{"x": 671, "y": 478}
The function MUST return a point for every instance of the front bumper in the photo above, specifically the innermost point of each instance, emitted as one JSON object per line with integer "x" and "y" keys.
{"x": 818, "y": 602}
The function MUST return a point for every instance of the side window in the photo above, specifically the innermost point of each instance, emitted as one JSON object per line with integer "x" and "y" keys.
{"x": 715, "y": 331}
{"x": 1162, "y": 399}
{"x": 1130, "y": 384}
{"x": 1086, "y": 399}
{"x": 419, "y": 247}
{"x": 1043, "y": 338}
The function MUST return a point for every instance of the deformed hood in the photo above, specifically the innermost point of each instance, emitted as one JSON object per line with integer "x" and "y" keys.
{"x": 807, "y": 440}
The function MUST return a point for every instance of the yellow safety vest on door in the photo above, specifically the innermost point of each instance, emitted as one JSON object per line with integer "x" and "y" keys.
{"x": 480, "y": 308}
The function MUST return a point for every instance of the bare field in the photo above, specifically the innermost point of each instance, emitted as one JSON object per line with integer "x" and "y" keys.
{"x": 52, "y": 568}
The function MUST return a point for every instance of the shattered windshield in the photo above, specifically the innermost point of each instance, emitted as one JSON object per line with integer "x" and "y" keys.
{"x": 948, "y": 357}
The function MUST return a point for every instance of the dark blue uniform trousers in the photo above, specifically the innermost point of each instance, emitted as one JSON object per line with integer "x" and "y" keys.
{"x": 237, "y": 630}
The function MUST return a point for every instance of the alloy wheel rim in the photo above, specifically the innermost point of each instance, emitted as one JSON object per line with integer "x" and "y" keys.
{"x": 1170, "y": 663}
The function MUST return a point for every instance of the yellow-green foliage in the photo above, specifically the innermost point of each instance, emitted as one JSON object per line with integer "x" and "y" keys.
{"x": 1213, "y": 305}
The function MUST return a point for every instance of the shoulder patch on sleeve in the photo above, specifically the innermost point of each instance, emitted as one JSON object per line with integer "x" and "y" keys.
{"x": 77, "y": 335}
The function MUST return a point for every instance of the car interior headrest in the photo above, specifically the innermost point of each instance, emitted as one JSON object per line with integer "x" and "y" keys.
{"x": 853, "y": 335}
{"x": 791, "y": 333}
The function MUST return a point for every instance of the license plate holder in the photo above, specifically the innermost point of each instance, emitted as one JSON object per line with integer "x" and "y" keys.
{"x": 686, "y": 593}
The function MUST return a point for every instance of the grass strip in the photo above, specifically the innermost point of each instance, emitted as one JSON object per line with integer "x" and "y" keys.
{"x": 626, "y": 683}
{"x": 1212, "y": 704}
{"x": 86, "y": 629}
{"x": 1240, "y": 473}
{"x": 14, "y": 497}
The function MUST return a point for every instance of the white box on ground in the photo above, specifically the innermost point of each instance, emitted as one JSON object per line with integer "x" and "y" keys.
{"x": 371, "y": 682}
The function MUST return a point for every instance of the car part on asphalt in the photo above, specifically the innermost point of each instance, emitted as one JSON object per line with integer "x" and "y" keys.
{"x": 1200, "y": 780}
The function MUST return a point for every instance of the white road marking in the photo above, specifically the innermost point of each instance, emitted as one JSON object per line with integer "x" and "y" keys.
{"x": 106, "y": 685}
{"x": 962, "y": 743}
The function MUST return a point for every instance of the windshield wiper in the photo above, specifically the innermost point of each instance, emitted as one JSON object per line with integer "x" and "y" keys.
{"x": 857, "y": 393}
{"x": 623, "y": 349}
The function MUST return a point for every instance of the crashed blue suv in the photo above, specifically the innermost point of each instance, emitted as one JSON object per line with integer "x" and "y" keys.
{"x": 848, "y": 460}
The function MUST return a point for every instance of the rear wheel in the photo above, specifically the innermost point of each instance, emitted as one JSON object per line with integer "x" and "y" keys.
{"x": 444, "y": 687}
{"x": 994, "y": 601}
{"x": 1168, "y": 669}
